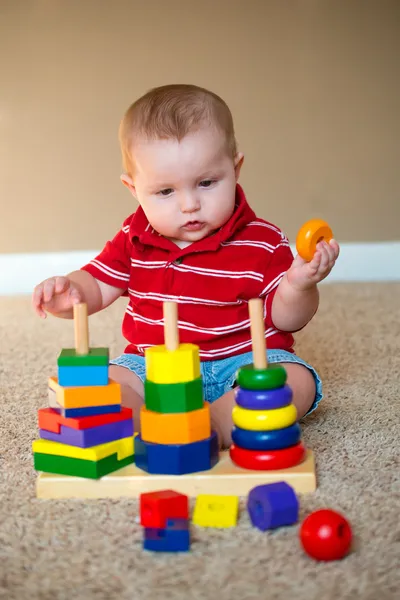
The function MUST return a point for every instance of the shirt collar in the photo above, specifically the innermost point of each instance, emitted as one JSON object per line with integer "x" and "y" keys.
{"x": 142, "y": 232}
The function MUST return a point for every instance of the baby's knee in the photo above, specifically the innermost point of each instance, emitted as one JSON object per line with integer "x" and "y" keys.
{"x": 221, "y": 418}
{"x": 132, "y": 390}
{"x": 302, "y": 382}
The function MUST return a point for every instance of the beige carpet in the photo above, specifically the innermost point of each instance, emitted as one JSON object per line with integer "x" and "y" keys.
{"x": 92, "y": 549}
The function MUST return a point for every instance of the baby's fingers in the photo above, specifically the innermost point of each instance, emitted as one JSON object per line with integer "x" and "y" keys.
{"x": 61, "y": 284}
{"x": 75, "y": 295}
{"x": 315, "y": 262}
{"x": 333, "y": 249}
{"x": 325, "y": 258}
{"x": 37, "y": 300}
{"x": 48, "y": 289}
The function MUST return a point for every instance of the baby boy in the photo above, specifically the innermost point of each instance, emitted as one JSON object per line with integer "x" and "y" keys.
{"x": 195, "y": 240}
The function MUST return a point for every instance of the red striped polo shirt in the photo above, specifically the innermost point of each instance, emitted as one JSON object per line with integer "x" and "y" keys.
{"x": 212, "y": 281}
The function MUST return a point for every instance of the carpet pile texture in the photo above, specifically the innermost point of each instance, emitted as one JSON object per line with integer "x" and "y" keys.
{"x": 92, "y": 549}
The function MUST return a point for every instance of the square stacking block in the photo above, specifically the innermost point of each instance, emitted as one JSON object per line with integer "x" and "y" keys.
{"x": 122, "y": 448}
{"x": 177, "y": 459}
{"x": 93, "y": 436}
{"x": 166, "y": 540}
{"x": 158, "y": 508}
{"x": 177, "y": 366}
{"x": 96, "y": 357}
{"x": 76, "y": 467}
{"x": 89, "y": 411}
{"x": 51, "y": 420}
{"x": 273, "y": 505}
{"x": 174, "y": 397}
{"x": 83, "y": 376}
{"x": 93, "y": 463}
{"x": 175, "y": 428}
{"x": 216, "y": 511}
{"x": 84, "y": 397}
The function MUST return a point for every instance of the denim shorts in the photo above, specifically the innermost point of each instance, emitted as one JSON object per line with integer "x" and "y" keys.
{"x": 219, "y": 376}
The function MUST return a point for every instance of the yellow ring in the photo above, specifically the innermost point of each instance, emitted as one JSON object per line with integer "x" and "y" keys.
{"x": 264, "y": 420}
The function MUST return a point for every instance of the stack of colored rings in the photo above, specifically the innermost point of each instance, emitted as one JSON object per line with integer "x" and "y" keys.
{"x": 266, "y": 435}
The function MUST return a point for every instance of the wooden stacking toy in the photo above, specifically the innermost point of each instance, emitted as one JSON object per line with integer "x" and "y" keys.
{"x": 176, "y": 436}
{"x": 266, "y": 435}
{"x": 85, "y": 432}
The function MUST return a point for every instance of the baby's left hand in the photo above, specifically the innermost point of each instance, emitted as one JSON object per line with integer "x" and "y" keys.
{"x": 303, "y": 275}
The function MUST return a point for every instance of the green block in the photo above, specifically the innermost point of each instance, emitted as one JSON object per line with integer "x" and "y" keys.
{"x": 174, "y": 397}
{"x": 97, "y": 357}
{"x": 64, "y": 465}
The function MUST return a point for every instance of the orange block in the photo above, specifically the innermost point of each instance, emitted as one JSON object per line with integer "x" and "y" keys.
{"x": 175, "y": 428}
{"x": 91, "y": 395}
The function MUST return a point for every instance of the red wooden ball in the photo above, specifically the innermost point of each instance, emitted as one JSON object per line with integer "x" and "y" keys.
{"x": 326, "y": 535}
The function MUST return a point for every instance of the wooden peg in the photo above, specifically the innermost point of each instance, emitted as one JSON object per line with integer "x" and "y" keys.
{"x": 171, "y": 333}
{"x": 258, "y": 333}
{"x": 81, "y": 328}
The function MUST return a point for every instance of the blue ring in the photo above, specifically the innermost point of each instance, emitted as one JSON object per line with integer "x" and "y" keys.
{"x": 263, "y": 399}
{"x": 276, "y": 439}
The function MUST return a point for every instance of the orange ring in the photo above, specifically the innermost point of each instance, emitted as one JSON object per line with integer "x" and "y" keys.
{"x": 310, "y": 234}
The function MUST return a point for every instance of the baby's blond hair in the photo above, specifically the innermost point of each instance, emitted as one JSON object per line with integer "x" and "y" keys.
{"x": 171, "y": 112}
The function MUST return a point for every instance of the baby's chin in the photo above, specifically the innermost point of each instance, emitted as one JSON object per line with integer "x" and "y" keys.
{"x": 184, "y": 238}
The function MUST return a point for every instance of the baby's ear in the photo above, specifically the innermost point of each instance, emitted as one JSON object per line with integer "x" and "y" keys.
{"x": 128, "y": 182}
{"x": 239, "y": 158}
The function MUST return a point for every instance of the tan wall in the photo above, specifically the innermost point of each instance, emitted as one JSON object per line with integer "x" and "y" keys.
{"x": 313, "y": 86}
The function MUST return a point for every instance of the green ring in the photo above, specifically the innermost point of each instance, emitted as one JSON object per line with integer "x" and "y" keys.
{"x": 249, "y": 378}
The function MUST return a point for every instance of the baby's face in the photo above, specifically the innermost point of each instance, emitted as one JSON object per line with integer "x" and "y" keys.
{"x": 186, "y": 188}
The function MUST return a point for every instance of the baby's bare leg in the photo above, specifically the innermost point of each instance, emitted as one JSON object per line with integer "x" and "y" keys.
{"x": 300, "y": 380}
{"x": 132, "y": 390}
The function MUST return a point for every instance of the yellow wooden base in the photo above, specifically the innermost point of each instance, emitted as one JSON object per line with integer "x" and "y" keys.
{"x": 224, "y": 478}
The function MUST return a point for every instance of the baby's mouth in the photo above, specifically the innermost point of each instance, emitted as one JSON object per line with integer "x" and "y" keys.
{"x": 193, "y": 225}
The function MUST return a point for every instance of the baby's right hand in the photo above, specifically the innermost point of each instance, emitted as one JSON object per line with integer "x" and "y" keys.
{"x": 56, "y": 295}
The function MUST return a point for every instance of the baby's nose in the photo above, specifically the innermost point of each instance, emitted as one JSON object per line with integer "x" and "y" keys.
{"x": 189, "y": 203}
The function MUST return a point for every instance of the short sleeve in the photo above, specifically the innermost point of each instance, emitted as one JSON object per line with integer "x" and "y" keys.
{"x": 280, "y": 262}
{"x": 112, "y": 265}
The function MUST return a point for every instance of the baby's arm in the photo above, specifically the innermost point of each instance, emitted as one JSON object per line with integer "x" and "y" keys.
{"x": 57, "y": 295}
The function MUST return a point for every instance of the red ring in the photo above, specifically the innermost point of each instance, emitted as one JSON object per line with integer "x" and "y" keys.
{"x": 267, "y": 460}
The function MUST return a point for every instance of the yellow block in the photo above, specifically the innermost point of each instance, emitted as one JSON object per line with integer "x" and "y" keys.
{"x": 177, "y": 366}
{"x": 264, "y": 420}
{"x": 216, "y": 511}
{"x": 92, "y": 395}
{"x": 123, "y": 448}
{"x": 175, "y": 428}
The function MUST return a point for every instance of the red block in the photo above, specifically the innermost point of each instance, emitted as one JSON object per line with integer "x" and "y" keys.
{"x": 51, "y": 420}
{"x": 268, "y": 460}
{"x": 157, "y": 507}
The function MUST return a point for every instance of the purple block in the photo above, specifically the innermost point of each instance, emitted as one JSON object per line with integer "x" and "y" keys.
{"x": 272, "y": 505}
{"x": 85, "y": 438}
{"x": 263, "y": 399}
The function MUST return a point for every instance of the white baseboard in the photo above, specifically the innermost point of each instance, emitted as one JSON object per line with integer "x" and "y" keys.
{"x": 19, "y": 273}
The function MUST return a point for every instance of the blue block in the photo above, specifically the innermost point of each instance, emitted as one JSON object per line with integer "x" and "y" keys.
{"x": 266, "y": 440}
{"x": 82, "y": 376}
{"x": 177, "y": 459}
{"x": 166, "y": 540}
{"x": 272, "y": 505}
{"x": 87, "y": 411}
